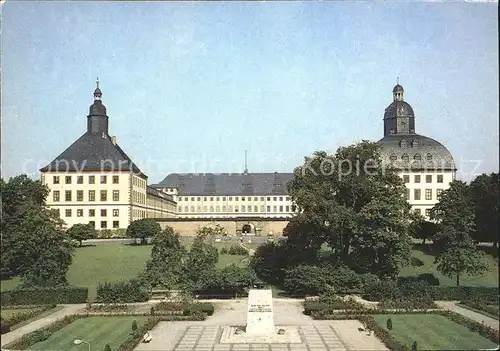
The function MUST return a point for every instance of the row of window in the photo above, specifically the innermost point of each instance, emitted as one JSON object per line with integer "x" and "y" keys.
{"x": 79, "y": 179}
{"x": 428, "y": 178}
{"x": 91, "y": 211}
{"x": 236, "y": 198}
{"x": 68, "y": 195}
{"x": 138, "y": 213}
{"x": 428, "y": 194}
{"x": 138, "y": 197}
{"x": 138, "y": 182}
{"x": 241, "y": 208}
{"x": 414, "y": 143}
{"x": 419, "y": 211}
{"x": 405, "y": 157}
{"x": 104, "y": 224}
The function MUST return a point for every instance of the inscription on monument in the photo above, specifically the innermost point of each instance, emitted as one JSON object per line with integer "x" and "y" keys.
{"x": 260, "y": 308}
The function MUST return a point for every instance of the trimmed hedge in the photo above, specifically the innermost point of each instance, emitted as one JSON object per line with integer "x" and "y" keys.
{"x": 44, "y": 296}
{"x": 121, "y": 292}
{"x": 4, "y": 327}
{"x": 137, "y": 335}
{"x": 464, "y": 293}
{"x": 326, "y": 306}
{"x": 206, "y": 308}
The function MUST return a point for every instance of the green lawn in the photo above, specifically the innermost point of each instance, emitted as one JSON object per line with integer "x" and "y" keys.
{"x": 489, "y": 277}
{"x": 433, "y": 332}
{"x": 98, "y": 331}
{"x": 113, "y": 262}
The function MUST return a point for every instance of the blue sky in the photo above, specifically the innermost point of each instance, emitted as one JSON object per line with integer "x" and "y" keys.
{"x": 190, "y": 85}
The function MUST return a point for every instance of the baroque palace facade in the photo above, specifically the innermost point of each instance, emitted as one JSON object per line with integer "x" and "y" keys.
{"x": 94, "y": 181}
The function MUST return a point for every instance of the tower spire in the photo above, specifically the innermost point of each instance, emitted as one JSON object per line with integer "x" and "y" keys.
{"x": 246, "y": 168}
{"x": 97, "y": 82}
{"x": 397, "y": 80}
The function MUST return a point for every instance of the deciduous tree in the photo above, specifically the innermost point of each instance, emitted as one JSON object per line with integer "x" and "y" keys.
{"x": 143, "y": 228}
{"x": 486, "y": 197}
{"x": 164, "y": 268}
{"x": 81, "y": 232}
{"x": 358, "y": 207}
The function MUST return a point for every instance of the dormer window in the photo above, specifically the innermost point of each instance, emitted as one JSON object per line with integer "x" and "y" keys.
{"x": 417, "y": 157}
{"x": 393, "y": 157}
{"x": 428, "y": 157}
{"x": 402, "y": 143}
{"x": 414, "y": 143}
{"x": 405, "y": 157}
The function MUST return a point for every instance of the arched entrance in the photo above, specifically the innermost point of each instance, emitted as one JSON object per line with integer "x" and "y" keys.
{"x": 246, "y": 229}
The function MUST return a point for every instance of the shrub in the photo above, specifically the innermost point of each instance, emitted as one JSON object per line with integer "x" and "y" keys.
{"x": 107, "y": 347}
{"x": 44, "y": 296}
{"x": 306, "y": 279}
{"x": 136, "y": 336}
{"x": 414, "y": 346}
{"x": 134, "y": 325}
{"x": 120, "y": 292}
{"x": 464, "y": 293}
{"x": 4, "y": 327}
{"x": 429, "y": 278}
{"x": 382, "y": 290}
{"x": 152, "y": 310}
{"x": 206, "y": 308}
{"x": 237, "y": 250}
{"x": 17, "y": 318}
{"x": 389, "y": 324}
{"x": 313, "y": 306}
{"x": 104, "y": 234}
{"x": 111, "y": 308}
{"x": 223, "y": 251}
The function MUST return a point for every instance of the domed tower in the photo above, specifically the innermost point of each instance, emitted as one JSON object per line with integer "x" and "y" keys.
{"x": 399, "y": 117}
{"x": 97, "y": 120}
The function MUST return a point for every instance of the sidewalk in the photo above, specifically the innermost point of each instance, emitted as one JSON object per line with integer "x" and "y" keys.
{"x": 40, "y": 323}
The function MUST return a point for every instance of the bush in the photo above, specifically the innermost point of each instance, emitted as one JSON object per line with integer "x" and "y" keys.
{"x": 206, "y": 308}
{"x": 464, "y": 293}
{"x": 429, "y": 278}
{"x": 414, "y": 346}
{"x": 107, "y": 347}
{"x": 134, "y": 325}
{"x": 223, "y": 251}
{"x": 306, "y": 279}
{"x": 313, "y": 306}
{"x": 4, "y": 327}
{"x": 237, "y": 250}
{"x": 120, "y": 292}
{"x": 382, "y": 290}
{"x": 136, "y": 336}
{"x": 17, "y": 318}
{"x": 44, "y": 296}
{"x": 110, "y": 308}
{"x": 389, "y": 324}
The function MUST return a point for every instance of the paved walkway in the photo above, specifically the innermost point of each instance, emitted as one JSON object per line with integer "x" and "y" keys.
{"x": 67, "y": 310}
{"x": 478, "y": 317}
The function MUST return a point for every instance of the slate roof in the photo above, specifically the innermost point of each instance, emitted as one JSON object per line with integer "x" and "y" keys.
{"x": 154, "y": 192}
{"x": 227, "y": 183}
{"x": 439, "y": 156}
{"x": 93, "y": 152}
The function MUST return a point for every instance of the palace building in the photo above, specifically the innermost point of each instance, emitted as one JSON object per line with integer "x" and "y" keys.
{"x": 94, "y": 181}
{"x": 229, "y": 195}
{"x": 426, "y": 166}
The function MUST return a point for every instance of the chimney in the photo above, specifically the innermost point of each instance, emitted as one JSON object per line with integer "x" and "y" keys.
{"x": 113, "y": 140}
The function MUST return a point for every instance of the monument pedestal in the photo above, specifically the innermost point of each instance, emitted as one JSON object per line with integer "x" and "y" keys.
{"x": 260, "y": 319}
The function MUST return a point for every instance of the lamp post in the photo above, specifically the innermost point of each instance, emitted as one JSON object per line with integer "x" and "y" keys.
{"x": 78, "y": 342}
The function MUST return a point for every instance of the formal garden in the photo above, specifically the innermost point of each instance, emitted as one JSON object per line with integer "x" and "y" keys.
{"x": 354, "y": 236}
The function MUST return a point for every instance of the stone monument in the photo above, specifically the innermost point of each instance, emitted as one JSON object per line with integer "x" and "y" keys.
{"x": 260, "y": 318}
{"x": 260, "y": 328}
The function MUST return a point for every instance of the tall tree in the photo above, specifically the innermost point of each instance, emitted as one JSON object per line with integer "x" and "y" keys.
{"x": 82, "y": 232}
{"x": 34, "y": 245}
{"x": 423, "y": 229}
{"x": 143, "y": 228}
{"x": 455, "y": 216}
{"x": 485, "y": 192}
{"x": 164, "y": 268}
{"x": 202, "y": 256}
{"x": 357, "y": 205}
